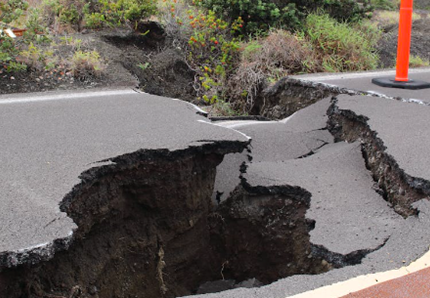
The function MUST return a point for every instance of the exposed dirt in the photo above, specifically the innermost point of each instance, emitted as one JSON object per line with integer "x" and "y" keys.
{"x": 132, "y": 59}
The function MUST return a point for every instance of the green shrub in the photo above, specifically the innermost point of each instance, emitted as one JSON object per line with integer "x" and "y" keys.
{"x": 36, "y": 29}
{"x": 260, "y": 15}
{"x": 212, "y": 51}
{"x": 64, "y": 12}
{"x": 11, "y": 10}
{"x": 113, "y": 13}
{"x": 208, "y": 42}
{"x": 99, "y": 13}
{"x": 342, "y": 46}
{"x": 8, "y": 50}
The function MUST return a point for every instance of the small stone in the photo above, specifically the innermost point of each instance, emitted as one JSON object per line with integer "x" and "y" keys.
{"x": 12, "y": 78}
{"x": 93, "y": 290}
{"x": 249, "y": 283}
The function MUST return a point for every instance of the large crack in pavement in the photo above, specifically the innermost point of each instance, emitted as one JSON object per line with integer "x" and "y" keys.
{"x": 389, "y": 143}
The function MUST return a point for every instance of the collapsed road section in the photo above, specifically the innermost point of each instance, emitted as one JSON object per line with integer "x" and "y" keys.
{"x": 132, "y": 175}
{"x": 109, "y": 195}
{"x": 120, "y": 195}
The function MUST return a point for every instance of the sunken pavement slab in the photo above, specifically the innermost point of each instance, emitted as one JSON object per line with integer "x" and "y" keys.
{"x": 349, "y": 215}
{"x": 294, "y": 137}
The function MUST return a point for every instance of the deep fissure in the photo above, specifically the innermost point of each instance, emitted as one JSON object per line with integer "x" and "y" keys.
{"x": 398, "y": 188}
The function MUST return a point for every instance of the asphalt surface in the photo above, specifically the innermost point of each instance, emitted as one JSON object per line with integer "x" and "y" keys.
{"x": 48, "y": 140}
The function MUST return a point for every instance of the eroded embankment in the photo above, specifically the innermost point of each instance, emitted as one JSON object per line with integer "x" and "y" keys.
{"x": 146, "y": 228}
{"x": 397, "y": 187}
{"x": 290, "y": 95}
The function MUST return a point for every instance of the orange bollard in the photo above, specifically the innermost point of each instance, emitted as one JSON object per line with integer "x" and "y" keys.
{"x": 401, "y": 79}
{"x": 404, "y": 41}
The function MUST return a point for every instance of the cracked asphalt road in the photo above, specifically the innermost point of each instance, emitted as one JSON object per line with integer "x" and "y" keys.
{"x": 349, "y": 214}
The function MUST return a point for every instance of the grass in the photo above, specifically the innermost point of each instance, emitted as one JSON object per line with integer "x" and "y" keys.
{"x": 386, "y": 17}
{"x": 385, "y": 4}
{"x": 417, "y": 61}
{"x": 343, "y": 47}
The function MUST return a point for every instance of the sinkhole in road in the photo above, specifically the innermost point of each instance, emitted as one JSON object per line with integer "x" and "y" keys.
{"x": 147, "y": 228}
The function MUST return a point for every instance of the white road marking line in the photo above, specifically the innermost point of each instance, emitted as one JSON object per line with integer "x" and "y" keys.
{"x": 359, "y": 75}
{"x": 62, "y": 96}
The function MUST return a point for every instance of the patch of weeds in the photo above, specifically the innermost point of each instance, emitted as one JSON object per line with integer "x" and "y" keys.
{"x": 87, "y": 64}
{"x": 36, "y": 57}
{"x": 417, "y": 61}
{"x": 16, "y": 67}
{"x": 252, "y": 48}
{"x": 144, "y": 66}
{"x": 342, "y": 46}
{"x": 385, "y": 4}
{"x": 74, "y": 43}
{"x": 267, "y": 60}
{"x": 224, "y": 108}
{"x": 386, "y": 17}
